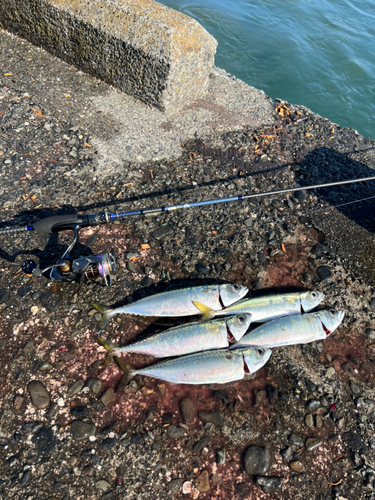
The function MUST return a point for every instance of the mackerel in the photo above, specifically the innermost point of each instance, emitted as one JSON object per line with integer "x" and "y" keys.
{"x": 268, "y": 307}
{"x": 189, "y": 338}
{"x": 178, "y": 302}
{"x": 293, "y": 330}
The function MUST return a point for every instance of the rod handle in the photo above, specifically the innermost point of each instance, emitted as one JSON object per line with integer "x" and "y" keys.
{"x": 58, "y": 223}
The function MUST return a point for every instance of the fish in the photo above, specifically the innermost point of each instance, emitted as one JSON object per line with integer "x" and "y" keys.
{"x": 186, "y": 339}
{"x": 208, "y": 367}
{"x": 177, "y": 302}
{"x": 268, "y": 307}
{"x": 293, "y": 330}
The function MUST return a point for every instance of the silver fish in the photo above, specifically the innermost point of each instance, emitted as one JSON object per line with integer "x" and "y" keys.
{"x": 293, "y": 330}
{"x": 178, "y": 302}
{"x": 208, "y": 367}
{"x": 189, "y": 338}
{"x": 268, "y": 307}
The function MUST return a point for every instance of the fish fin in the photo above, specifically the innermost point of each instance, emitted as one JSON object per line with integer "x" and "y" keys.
{"x": 128, "y": 370}
{"x": 207, "y": 312}
{"x": 110, "y": 346}
{"x": 107, "y": 314}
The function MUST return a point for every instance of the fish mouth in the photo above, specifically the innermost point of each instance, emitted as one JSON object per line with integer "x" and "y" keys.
{"x": 230, "y": 338}
{"x": 326, "y": 331}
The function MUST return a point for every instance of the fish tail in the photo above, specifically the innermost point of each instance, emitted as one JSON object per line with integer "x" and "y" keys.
{"x": 111, "y": 348}
{"x": 128, "y": 370}
{"x": 107, "y": 315}
{"x": 207, "y": 312}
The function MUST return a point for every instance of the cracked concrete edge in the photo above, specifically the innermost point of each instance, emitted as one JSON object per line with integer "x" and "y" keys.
{"x": 146, "y": 49}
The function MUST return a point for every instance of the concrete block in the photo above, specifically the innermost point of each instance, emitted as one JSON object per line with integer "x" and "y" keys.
{"x": 149, "y": 51}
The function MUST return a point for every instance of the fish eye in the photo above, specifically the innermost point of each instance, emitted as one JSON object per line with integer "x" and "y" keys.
{"x": 236, "y": 288}
{"x": 260, "y": 352}
{"x": 314, "y": 295}
{"x": 241, "y": 319}
{"x": 333, "y": 312}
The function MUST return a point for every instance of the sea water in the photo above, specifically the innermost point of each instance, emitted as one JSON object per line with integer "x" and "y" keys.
{"x": 318, "y": 53}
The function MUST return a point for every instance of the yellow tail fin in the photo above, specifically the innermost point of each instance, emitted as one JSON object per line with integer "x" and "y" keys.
{"x": 128, "y": 370}
{"x": 107, "y": 314}
{"x": 207, "y": 312}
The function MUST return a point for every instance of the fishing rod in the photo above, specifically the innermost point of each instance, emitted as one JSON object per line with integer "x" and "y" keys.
{"x": 103, "y": 266}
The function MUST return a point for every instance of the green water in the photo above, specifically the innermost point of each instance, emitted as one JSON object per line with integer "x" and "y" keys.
{"x": 317, "y": 53}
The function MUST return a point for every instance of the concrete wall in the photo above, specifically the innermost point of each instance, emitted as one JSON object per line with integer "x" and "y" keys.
{"x": 147, "y": 50}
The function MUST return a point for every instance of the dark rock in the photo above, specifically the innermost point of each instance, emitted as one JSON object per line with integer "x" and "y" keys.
{"x": 24, "y": 290}
{"x": 174, "y": 486}
{"x": 75, "y": 388}
{"x": 187, "y": 408}
{"x": 300, "y": 195}
{"x": 214, "y": 417}
{"x": 82, "y": 430}
{"x": 39, "y": 394}
{"x": 79, "y": 411}
{"x": 25, "y": 477}
{"x": 319, "y": 249}
{"x": 3, "y": 295}
{"x": 44, "y": 441}
{"x": 262, "y": 257}
{"x": 372, "y": 303}
{"x": 256, "y": 285}
{"x": 223, "y": 251}
{"x": 356, "y": 391}
{"x": 324, "y": 272}
{"x": 249, "y": 222}
{"x": 95, "y": 385}
{"x": 242, "y": 490}
{"x": 312, "y": 443}
{"x": 313, "y": 405}
{"x": 201, "y": 268}
{"x": 175, "y": 432}
{"x": 271, "y": 484}
{"x": 295, "y": 440}
{"x": 272, "y": 392}
{"x": 19, "y": 404}
{"x": 108, "y": 397}
{"x": 223, "y": 395}
{"x": 257, "y": 460}
{"x": 355, "y": 443}
{"x": 161, "y": 232}
{"x": 147, "y": 281}
{"x": 199, "y": 445}
{"x": 108, "y": 443}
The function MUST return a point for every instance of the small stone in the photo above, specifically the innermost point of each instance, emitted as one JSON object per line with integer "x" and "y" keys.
{"x": 131, "y": 267}
{"x": 147, "y": 281}
{"x": 201, "y": 268}
{"x": 103, "y": 485}
{"x": 372, "y": 303}
{"x": 221, "y": 456}
{"x": 29, "y": 347}
{"x": 222, "y": 394}
{"x": 242, "y": 491}
{"x": 82, "y": 430}
{"x": 312, "y": 443}
{"x": 95, "y": 385}
{"x": 214, "y": 417}
{"x": 319, "y": 249}
{"x": 300, "y": 195}
{"x": 272, "y": 392}
{"x": 256, "y": 285}
{"x": 72, "y": 461}
{"x": 356, "y": 391}
{"x": 202, "y": 482}
{"x": 92, "y": 312}
{"x": 25, "y": 477}
{"x": 161, "y": 232}
{"x": 309, "y": 420}
{"x": 287, "y": 453}
{"x": 19, "y": 404}
{"x": 199, "y": 445}
{"x": 319, "y": 421}
{"x": 355, "y": 442}
{"x": 295, "y": 440}
{"x": 39, "y": 394}
{"x": 79, "y": 411}
{"x": 269, "y": 484}
{"x": 88, "y": 470}
{"x": 330, "y": 372}
{"x": 175, "y": 432}
{"x": 108, "y": 397}
{"x": 297, "y": 466}
{"x": 187, "y": 408}
{"x": 249, "y": 222}
{"x": 75, "y": 388}
{"x": 174, "y": 486}
{"x": 187, "y": 487}
{"x": 313, "y": 405}
{"x": 34, "y": 310}
{"x": 108, "y": 443}
{"x": 324, "y": 272}
{"x": 44, "y": 441}
{"x": 257, "y": 460}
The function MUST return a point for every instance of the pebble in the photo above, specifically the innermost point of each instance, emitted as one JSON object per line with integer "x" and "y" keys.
{"x": 19, "y": 404}
{"x": 103, "y": 485}
{"x": 95, "y": 385}
{"x": 39, "y": 394}
{"x": 44, "y": 441}
{"x": 309, "y": 420}
{"x": 300, "y": 195}
{"x": 297, "y": 466}
{"x": 174, "y": 486}
{"x": 199, "y": 445}
{"x": 175, "y": 432}
{"x": 272, "y": 392}
{"x": 319, "y": 249}
{"x": 108, "y": 443}
{"x": 161, "y": 232}
{"x": 355, "y": 442}
{"x": 25, "y": 478}
{"x": 324, "y": 272}
{"x": 295, "y": 440}
{"x": 187, "y": 487}
{"x": 75, "y": 388}
{"x": 372, "y": 303}
{"x": 82, "y": 430}
{"x": 257, "y": 460}
{"x": 108, "y": 397}
{"x": 319, "y": 421}
{"x": 34, "y": 310}
{"x": 356, "y": 391}
{"x": 270, "y": 484}
{"x": 187, "y": 408}
{"x": 214, "y": 417}
{"x": 312, "y": 443}
{"x": 221, "y": 456}
{"x": 313, "y": 405}
{"x": 256, "y": 285}
{"x": 147, "y": 281}
{"x": 201, "y": 268}
{"x": 202, "y": 482}
{"x": 330, "y": 372}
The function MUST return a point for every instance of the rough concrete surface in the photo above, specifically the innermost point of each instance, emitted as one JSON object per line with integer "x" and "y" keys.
{"x": 121, "y": 129}
{"x": 148, "y": 50}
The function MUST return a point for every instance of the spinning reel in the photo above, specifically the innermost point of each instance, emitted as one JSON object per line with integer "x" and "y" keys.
{"x": 99, "y": 268}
